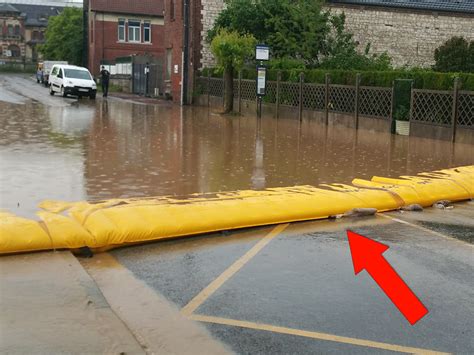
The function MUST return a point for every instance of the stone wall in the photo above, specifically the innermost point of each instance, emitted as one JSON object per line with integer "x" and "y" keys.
{"x": 408, "y": 36}
{"x": 210, "y": 11}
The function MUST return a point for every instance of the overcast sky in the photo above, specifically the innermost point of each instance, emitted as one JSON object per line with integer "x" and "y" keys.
{"x": 44, "y": 2}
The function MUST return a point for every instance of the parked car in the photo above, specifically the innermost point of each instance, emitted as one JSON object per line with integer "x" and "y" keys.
{"x": 39, "y": 73}
{"x": 72, "y": 80}
{"x": 47, "y": 66}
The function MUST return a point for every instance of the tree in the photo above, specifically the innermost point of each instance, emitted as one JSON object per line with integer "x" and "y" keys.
{"x": 455, "y": 55}
{"x": 298, "y": 30}
{"x": 231, "y": 50}
{"x": 63, "y": 37}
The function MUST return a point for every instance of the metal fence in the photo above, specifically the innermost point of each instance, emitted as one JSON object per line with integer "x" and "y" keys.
{"x": 374, "y": 102}
{"x": 151, "y": 85}
{"x": 436, "y": 107}
{"x": 453, "y": 109}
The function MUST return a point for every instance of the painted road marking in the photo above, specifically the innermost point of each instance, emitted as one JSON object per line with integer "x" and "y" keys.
{"x": 313, "y": 335}
{"x": 227, "y": 274}
{"x": 424, "y": 229}
{"x": 157, "y": 324}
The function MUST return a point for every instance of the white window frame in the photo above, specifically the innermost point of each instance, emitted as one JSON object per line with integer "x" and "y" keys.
{"x": 124, "y": 39}
{"x": 136, "y": 30}
{"x": 147, "y": 26}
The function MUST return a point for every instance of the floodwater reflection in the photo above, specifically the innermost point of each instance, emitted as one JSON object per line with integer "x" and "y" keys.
{"x": 119, "y": 149}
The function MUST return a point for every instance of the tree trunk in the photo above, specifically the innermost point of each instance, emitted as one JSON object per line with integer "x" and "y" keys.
{"x": 229, "y": 89}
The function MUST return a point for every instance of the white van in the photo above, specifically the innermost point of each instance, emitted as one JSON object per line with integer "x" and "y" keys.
{"x": 71, "y": 80}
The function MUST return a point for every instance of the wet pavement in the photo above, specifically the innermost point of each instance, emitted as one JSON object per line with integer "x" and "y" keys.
{"x": 68, "y": 149}
{"x": 303, "y": 280}
{"x": 256, "y": 290}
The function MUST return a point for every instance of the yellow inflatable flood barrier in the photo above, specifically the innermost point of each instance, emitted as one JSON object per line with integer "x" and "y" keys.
{"x": 113, "y": 223}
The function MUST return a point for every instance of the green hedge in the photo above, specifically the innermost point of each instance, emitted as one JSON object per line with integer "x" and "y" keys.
{"x": 17, "y": 68}
{"x": 422, "y": 79}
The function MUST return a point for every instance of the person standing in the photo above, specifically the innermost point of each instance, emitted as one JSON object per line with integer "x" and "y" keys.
{"x": 105, "y": 76}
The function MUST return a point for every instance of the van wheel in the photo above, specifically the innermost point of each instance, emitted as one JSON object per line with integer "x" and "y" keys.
{"x": 92, "y": 96}
{"x": 51, "y": 91}
{"x": 63, "y": 93}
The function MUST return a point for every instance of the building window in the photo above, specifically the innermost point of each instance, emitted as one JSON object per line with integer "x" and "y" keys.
{"x": 168, "y": 63}
{"x": 121, "y": 30}
{"x": 134, "y": 31}
{"x": 17, "y": 30}
{"x": 172, "y": 9}
{"x": 10, "y": 30}
{"x": 34, "y": 35}
{"x": 147, "y": 32}
{"x": 14, "y": 50}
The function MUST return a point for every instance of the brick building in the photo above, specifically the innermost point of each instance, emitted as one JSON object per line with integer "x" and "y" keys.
{"x": 22, "y": 30}
{"x": 165, "y": 31}
{"x": 183, "y": 46}
{"x": 121, "y": 28}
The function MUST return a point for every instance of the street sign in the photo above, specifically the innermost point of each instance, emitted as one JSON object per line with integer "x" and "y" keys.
{"x": 262, "y": 52}
{"x": 261, "y": 81}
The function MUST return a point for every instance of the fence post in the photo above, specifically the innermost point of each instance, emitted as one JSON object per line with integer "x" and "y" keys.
{"x": 454, "y": 119}
{"x": 240, "y": 91}
{"x": 326, "y": 98}
{"x": 412, "y": 105}
{"x": 356, "y": 108}
{"x": 277, "y": 100}
{"x": 208, "y": 87}
{"x": 392, "y": 109}
{"x": 300, "y": 101}
{"x": 223, "y": 89}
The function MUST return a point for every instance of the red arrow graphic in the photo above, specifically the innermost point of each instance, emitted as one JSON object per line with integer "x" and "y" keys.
{"x": 367, "y": 254}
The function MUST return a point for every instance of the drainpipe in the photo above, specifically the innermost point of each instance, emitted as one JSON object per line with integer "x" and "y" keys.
{"x": 103, "y": 23}
{"x": 185, "y": 61}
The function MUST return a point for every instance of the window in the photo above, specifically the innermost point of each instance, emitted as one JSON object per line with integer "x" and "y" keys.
{"x": 134, "y": 31}
{"x": 147, "y": 32}
{"x": 168, "y": 63}
{"x": 17, "y": 30}
{"x": 60, "y": 74}
{"x": 77, "y": 74}
{"x": 34, "y": 36}
{"x": 121, "y": 30}
{"x": 15, "y": 50}
{"x": 10, "y": 30}
{"x": 172, "y": 10}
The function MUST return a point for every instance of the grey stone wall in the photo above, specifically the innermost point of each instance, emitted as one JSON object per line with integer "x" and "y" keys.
{"x": 210, "y": 11}
{"x": 409, "y": 37}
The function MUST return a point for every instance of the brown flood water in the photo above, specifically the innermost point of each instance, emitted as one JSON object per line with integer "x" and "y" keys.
{"x": 120, "y": 149}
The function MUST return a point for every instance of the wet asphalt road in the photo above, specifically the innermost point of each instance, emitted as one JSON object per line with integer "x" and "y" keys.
{"x": 56, "y": 148}
{"x": 304, "y": 280}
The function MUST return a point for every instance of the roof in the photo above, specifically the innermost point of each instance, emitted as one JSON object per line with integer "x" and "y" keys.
{"x": 8, "y": 8}
{"x": 35, "y": 15}
{"x": 462, "y": 6}
{"x": 141, "y": 7}
{"x": 69, "y": 66}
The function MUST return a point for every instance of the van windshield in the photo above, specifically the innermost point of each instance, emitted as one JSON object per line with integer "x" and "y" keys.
{"x": 77, "y": 74}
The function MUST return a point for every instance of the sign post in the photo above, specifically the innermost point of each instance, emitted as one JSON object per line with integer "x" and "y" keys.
{"x": 262, "y": 53}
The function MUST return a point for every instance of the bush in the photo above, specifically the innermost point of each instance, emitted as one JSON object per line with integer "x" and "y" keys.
{"x": 422, "y": 79}
{"x": 455, "y": 55}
